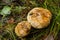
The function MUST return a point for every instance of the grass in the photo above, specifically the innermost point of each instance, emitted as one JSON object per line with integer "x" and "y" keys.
{"x": 22, "y": 7}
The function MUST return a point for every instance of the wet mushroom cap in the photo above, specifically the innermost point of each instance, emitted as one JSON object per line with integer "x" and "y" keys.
{"x": 39, "y": 17}
{"x": 22, "y": 28}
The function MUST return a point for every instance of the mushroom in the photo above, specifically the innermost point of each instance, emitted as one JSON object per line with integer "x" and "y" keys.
{"x": 39, "y": 17}
{"x": 22, "y": 29}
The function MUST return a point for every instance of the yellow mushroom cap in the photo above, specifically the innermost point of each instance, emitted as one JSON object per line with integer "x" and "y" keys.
{"x": 39, "y": 17}
{"x": 22, "y": 28}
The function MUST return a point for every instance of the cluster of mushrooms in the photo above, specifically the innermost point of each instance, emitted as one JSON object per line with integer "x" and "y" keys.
{"x": 37, "y": 18}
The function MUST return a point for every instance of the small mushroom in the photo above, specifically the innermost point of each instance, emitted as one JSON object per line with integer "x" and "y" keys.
{"x": 39, "y": 17}
{"x": 22, "y": 29}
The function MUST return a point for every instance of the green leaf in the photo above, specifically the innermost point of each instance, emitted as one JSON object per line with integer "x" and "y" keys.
{"x": 6, "y": 10}
{"x": 18, "y": 9}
